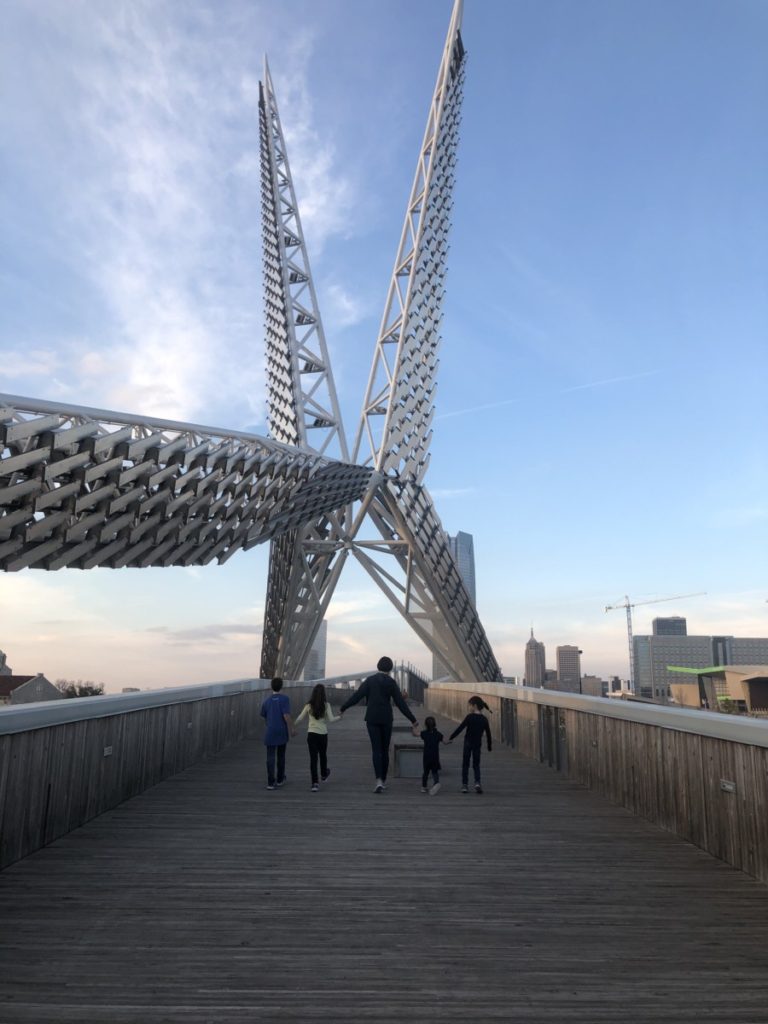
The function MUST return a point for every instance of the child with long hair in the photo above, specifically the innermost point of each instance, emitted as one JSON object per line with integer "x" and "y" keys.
{"x": 432, "y": 738}
{"x": 476, "y": 725}
{"x": 318, "y": 713}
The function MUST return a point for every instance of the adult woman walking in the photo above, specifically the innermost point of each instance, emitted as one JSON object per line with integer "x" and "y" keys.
{"x": 379, "y": 691}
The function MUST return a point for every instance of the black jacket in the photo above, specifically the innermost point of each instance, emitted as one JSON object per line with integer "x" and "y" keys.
{"x": 477, "y": 726}
{"x": 379, "y": 691}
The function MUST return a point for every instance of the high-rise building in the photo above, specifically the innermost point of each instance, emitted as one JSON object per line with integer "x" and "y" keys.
{"x": 463, "y": 551}
{"x": 535, "y": 662}
{"x": 568, "y": 668}
{"x": 672, "y": 625}
{"x": 653, "y": 654}
{"x": 314, "y": 667}
{"x": 746, "y": 650}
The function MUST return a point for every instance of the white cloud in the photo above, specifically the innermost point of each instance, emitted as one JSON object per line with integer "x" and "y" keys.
{"x": 32, "y": 603}
{"x": 31, "y": 363}
{"x": 326, "y": 192}
{"x": 152, "y": 142}
{"x": 354, "y": 607}
{"x": 343, "y": 309}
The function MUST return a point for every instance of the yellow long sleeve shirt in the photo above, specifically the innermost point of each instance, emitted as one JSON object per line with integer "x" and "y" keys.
{"x": 318, "y": 725}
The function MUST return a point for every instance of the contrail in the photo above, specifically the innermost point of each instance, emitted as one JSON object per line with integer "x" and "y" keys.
{"x": 609, "y": 380}
{"x": 562, "y": 391}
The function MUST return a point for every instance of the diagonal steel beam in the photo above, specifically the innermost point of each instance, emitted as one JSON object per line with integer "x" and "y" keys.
{"x": 304, "y": 566}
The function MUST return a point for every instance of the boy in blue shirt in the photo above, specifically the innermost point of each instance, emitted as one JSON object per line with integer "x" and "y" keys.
{"x": 276, "y": 709}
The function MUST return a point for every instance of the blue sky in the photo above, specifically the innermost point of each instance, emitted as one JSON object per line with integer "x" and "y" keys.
{"x": 601, "y": 412}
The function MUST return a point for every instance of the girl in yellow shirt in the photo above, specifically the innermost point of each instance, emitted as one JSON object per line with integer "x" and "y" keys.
{"x": 318, "y": 713}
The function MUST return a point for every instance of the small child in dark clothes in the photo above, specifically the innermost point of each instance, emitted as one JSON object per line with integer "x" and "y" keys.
{"x": 432, "y": 740}
{"x": 477, "y": 726}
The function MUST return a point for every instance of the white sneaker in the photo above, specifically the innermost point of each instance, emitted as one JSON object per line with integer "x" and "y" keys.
{"x": 435, "y": 789}
{"x": 379, "y": 787}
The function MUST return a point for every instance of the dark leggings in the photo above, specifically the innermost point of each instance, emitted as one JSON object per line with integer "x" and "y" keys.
{"x": 279, "y": 752}
{"x": 435, "y": 769}
{"x": 474, "y": 753}
{"x": 318, "y": 747}
{"x": 380, "y": 737}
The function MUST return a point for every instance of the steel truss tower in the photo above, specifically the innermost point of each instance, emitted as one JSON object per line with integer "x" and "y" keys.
{"x": 304, "y": 565}
{"x": 86, "y": 487}
{"x": 410, "y": 558}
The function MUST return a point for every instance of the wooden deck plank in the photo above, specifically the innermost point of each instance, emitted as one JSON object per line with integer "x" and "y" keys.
{"x": 209, "y": 899}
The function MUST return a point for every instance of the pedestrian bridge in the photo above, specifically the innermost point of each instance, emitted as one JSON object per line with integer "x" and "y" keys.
{"x": 566, "y": 892}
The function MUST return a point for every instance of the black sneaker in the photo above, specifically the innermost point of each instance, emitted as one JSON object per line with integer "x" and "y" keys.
{"x": 464, "y": 789}
{"x": 478, "y": 788}
{"x": 324, "y": 778}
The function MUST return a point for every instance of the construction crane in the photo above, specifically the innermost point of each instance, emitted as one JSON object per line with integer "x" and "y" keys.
{"x": 629, "y": 605}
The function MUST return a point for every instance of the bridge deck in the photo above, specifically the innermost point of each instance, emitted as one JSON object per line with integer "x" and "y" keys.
{"x": 208, "y": 899}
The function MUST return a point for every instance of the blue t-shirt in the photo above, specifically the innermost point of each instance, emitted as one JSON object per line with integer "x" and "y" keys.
{"x": 273, "y": 709}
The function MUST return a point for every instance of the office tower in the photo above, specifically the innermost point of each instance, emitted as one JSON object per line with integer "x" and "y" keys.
{"x": 568, "y": 668}
{"x": 315, "y": 665}
{"x": 672, "y": 625}
{"x": 654, "y": 653}
{"x": 535, "y": 662}
{"x": 747, "y": 650}
{"x": 463, "y": 550}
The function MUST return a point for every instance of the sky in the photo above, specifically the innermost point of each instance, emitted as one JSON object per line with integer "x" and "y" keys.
{"x": 601, "y": 408}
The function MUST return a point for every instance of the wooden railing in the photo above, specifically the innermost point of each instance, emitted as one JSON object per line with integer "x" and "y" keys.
{"x": 700, "y": 774}
{"x": 64, "y": 762}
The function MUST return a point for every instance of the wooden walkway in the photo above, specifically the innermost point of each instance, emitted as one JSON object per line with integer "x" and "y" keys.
{"x": 209, "y": 900}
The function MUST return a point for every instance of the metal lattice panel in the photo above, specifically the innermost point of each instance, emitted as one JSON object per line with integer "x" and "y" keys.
{"x": 395, "y": 426}
{"x": 301, "y": 396}
{"x": 394, "y": 430}
{"x": 303, "y": 409}
{"x": 428, "y": 590}
{"x": 84, "y": 487}
{"x": 411, "y": 562}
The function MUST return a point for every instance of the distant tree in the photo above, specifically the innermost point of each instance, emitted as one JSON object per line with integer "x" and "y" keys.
{"x": 70, "y": 688}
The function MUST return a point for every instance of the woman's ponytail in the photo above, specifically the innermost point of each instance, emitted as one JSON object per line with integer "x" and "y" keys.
{"x": 480, "y": 704}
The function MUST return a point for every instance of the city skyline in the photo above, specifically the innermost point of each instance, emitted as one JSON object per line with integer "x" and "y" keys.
{"x": 580, "y": 340}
